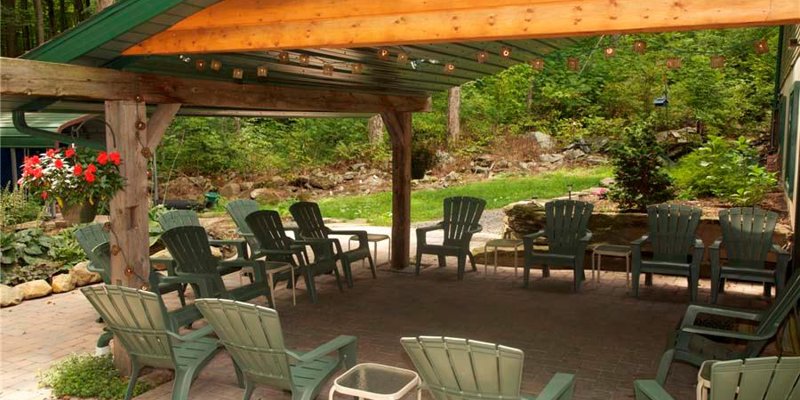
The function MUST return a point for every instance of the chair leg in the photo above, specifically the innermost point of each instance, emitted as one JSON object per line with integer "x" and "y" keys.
{"x": 462, "y": 261}
{"x": 248, "y": 389}
{"x": 135, "y": 369}
{"x": 372, "y": 267}
{"x": 419, "y": 260}
{"x": 648, "y": 279}
{"x": 182, "y": 383}
{"x": 442, "y": 261}
{"x": 526, "y": 274}
{"x": 545, "y": 271}
{"x": 312, "y": 289}
{"x": 239, "y": 375}
{"x": 576, "y": 283}
{"x": 338, "y": 280}
{"x": 635, "y": 280}
{"x": 693, "y": 278}
{"x": 767, "y": 290}
{"x": 472, "y": 260}
{"x": 715, "y": 284}
{"x": 779, "y": 284}
{"x": 348, "y": 273}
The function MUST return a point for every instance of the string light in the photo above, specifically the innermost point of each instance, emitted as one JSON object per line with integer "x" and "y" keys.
{"x": 238, "y": 74}
{"x": 200, "y": 64}
{"x": 262, "y": 71}
{"x": 327, "y": 69}
{"x": 673, "y": 63}
{"x": 717, "y": 61}
{"x": 505, "y": 51}
{"x": 449, "y": 68}
{"x": 216, "y": 65}
{"x": 537, "y": 64}
{"x": 639, "y": 46}
{"x": 482, "y": 56}
{"x": 184, "y": 58}
{"x": 383, "y": 53}
{"x": 303, "y": 59}
{"x": 283, "y": 57}
{"x": 402, "y": 57}
{"x": 357, "y": 68}
{"x": 761, "y": 46}
{"x": 610, "y": 52}
{"x": 573, "y": 64}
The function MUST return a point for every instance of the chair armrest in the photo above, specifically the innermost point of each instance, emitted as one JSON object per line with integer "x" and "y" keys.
{"x": 362, "y": 236}
{"x": 587, "y": 237}
{"x": 336, "y": 344}
{"x": 193, "y": 335}
{"x": 696, "y": 309}
{"x": 779, "y": 251}
{"x": 716, "y": 245}
{"x": 650, "y": 390}
{"x": 192, "y": 279}
{"x": 168, "y": 262}
{"x": 475, "y": 229}
{"x": 438, "y": 225}
{"x": 560, "y": 387}
{"x": 698, "y": 244}
{"x": 640, "y": 241}
{"x": 701, "y": 330}
{"x": 239, "y": 262}
{"x": 225, "y": 242}
{"x": 529, "y": 238}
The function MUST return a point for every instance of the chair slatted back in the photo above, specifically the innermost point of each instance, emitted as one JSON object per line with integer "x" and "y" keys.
{"x": 253, "y": 337}
{"x": 780, "y": 308}
{"x": 309, "y": 219}
{"x": 189, "y": 247}
{"x": 461, "y": 214}
{"x": 672, "y": 230}
{"x": 175, "y": 218}
{"x": 747, "y": 233}
{"x": 89, "y": 237}
{"x": 137, "y": 319}
{"x": 756, "y": 379}
{"x": 566, "y": 222}
{"x": 268, "y": 229}
{"x": 455, "y": 369}
{"x": 239, "y": 210}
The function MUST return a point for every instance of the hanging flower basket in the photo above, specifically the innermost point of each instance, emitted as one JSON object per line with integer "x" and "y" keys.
{"x": 77, "y": 179}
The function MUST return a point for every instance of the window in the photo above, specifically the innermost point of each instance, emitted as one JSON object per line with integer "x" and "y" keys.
{"x": 790, "y": 154}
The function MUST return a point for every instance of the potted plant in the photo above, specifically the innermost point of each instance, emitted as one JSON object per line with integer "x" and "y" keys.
{"x": 77, "y": 179}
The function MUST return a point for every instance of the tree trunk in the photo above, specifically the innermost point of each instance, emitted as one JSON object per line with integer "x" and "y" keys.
{"x": 37, "y": 8}
{"x": 79, "y": 10}
{"x": 102, "y": 4}
{"x": 27, "y": 42}
{"x": 62, "y": 16}
{"x": 375, "y": 129}
{"x": 9, "y": 28}
{"x": 51, "y": 17}
{"x": 453, "y": 114}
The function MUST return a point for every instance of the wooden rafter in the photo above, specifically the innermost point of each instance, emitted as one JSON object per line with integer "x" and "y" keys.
{"x": 34, "y": 78}
{"x": 246, "y": 25}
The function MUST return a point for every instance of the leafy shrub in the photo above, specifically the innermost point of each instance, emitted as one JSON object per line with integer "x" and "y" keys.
{"x": 727, "y": 169}
{"x": 29, "y": 254}
{"x": 639, "y": 174}
{"x": 15, "y": 208}
{"x": 88, "y": 376}
{"x": 65, "y": 249}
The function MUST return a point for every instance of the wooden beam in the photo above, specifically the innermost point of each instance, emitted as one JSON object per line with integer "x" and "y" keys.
{"x": 35, "y": 78}
{"x": 159, "y": 122}
{"x": 247, "y": 25}
{"x": 399, "y": 127}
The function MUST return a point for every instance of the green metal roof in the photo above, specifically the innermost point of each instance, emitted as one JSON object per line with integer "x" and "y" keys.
{"x": 100, "y": 41}
{"x": 11, "y": 137}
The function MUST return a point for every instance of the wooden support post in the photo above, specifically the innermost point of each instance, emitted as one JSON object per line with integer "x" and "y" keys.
{"x": 399, "y": 126}
{"x": 130, "y": 258}
{"x": 454, "y": 114}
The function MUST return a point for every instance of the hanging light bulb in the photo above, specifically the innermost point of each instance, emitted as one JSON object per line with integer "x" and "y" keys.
{"x": 610, "y": 52}
{"x": 200, "y": 64}
{"x": 673, "y": 63}
{"x": 216, "y": 65}
{"x": 383, "y": 53}
{"x": 402, "y": 57}
{"x": 262, "y": 71}
{"x": 717, "y": 61}
{"x": 357, "y": 68}
{"x": 283, "y": 57}
{"x": 537, "y": 64}
{"x": 303, "y": 59}
{"x": 761, "y": 46}
{"x": 449, "y": 68}
{"x": 573, "y": 64}
{"x": 238, "y": 74}
{"x": 505, "y": 51}
{"x": 639, "y": 46}
{"x": 327, "y": 69}
{"x": 482, "y": 56}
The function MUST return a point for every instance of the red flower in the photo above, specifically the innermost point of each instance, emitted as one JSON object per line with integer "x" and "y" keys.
{"x": 44, "y": 195}
{"x": 77, "y": 170}
{"x": 114, "y": 157}
{"x": 89, "y": 176}
{"x": 37, "y": 172}
{"x": 58, "y": 163}
{"x": 102, "y": 158}
{"x": 32, "y": 160}
{"x": 91, "y": 168}
{"x": 70, "y": 152}
{"x": 52, "y": 152}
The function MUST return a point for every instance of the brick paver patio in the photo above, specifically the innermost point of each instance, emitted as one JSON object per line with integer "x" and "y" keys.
{"x": 601, "y": 334}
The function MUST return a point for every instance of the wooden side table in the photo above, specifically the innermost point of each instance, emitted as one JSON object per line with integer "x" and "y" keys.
{"x": 373, "y": 238}
{"x": 500, "y": 244}
{"x": 611, "y": 250}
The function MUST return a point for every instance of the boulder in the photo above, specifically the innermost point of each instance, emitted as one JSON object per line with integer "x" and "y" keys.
{"x": 277, "y": 180}
{"x": 358, "y": 167}
{"x": 83, "y": 276}
{"x": 574, "y": 154}
{"x": 322, "y": 181}
{"x": 247, "y": 186}
{"x": 265, "y": 195}
{"x": 443, "y": 157}
{"x": 453, "y": 176}
{"x": 545, "y": 141}
{"x": 34, "y": 289}
{"x": 300, "y": 181}
{"x": 230, "y": 189}
{"x": 607, "y": 182}
{"x": 9, "y": 296}
{"x": 551, "y": 158}
{"x": 63, "y": 283}
{"x": 485, "y": 160}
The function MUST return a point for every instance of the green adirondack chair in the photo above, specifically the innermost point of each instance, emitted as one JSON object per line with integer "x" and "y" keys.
{"x": 677, "y": 251}
{"x": 94, "y": 241}
{"x": 748, "y": 379}
{"x": 254, "y": 339}
{"x": 239, "y": 210}
{"x": 695, "y": 344}
{"x": 140, "y": 322}
{"x": 189, "y": 246}
{"x": 463, "y": 369}
{"x": 460, "y": 222}
{"x": 275, "y": 245}
{"x": 567, "y": 237}
{"x": 309, "y": 220}
{"x": 747, "y": 239}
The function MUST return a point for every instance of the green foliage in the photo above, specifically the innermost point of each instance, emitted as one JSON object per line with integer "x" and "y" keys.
{"x": 25, "y": 256}
{"x": 728, "y": 169}
{"x": 639, "y": 174}
{"x": 65, "y": 249}
{"x": 16, "y": 208}
{"x": 426, "y": 205}
{"x": 87, "y": 376}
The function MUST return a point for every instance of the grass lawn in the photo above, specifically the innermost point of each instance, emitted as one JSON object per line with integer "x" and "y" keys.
{"x": 426, "y": 205}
